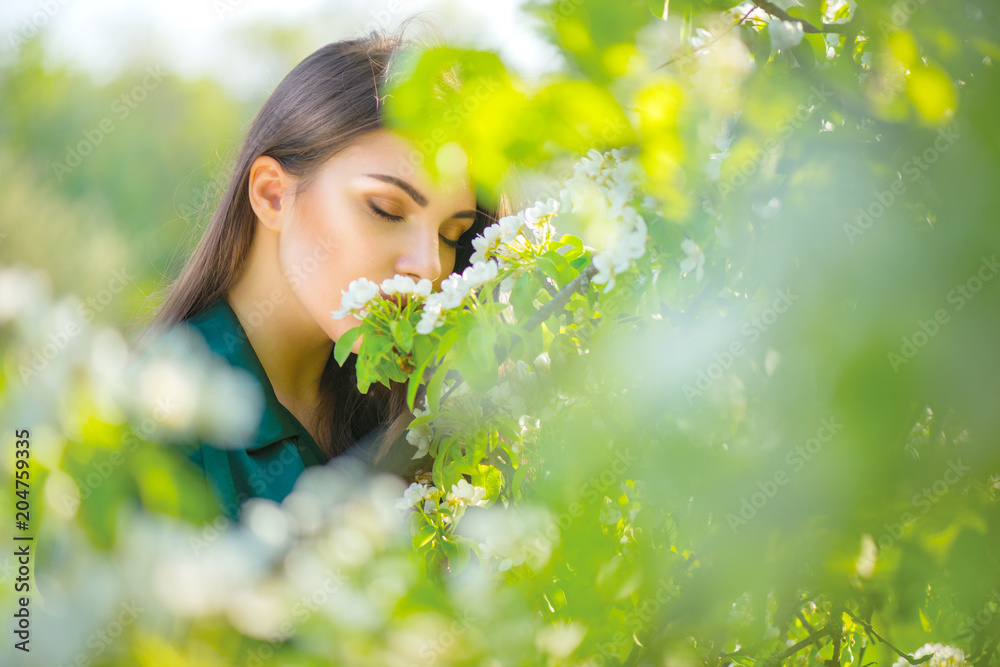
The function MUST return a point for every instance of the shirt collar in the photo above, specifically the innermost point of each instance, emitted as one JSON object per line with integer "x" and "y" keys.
{"x": 225, "y": 336}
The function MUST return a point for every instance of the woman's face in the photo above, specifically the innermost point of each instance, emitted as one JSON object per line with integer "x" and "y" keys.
{"x": 372, "y": 213}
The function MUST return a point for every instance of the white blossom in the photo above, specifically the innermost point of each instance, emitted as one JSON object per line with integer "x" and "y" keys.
{"x": 510, "y": 226}
{"x": 507, "y": 555}
{"x": 477, "y": 274}
{"x": 464, "y": 493}
{"x": 784, "y": 34}
{"x": 430, "y": 318}
{"x": 414, "y": 493}
{"x": 944, "y": 656}
{"x": 694, "y": 259}
{"x": 453, "y": 290}
{"x": 533, "y": 215}
{"x": 355, "y": 298}
{"x": 420, "y": 436}
{"x": 628, "y": 243}
{"x": 485, "y": 244}
{"x": 406, "y": 285}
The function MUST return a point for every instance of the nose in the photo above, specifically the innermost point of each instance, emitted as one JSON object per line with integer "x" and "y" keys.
{"x": 420, "y": 256}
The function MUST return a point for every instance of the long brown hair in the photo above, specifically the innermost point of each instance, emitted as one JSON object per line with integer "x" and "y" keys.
{"x": 328, "y": 101}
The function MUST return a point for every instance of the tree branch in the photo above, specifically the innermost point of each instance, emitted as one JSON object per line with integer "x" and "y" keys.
{"x": 705, "y": 45}
{"x": 837, "y": 623}
{"x": 792, "y": 650}
{"x": 805, "y": 624}
{"x": 870, "y": 630}
{"x": 778, "y": 12}
{"x": 578, "y": 284}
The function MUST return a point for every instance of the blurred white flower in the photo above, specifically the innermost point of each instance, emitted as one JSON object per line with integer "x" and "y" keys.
{"x": 533, "y": 215}
{"x": 168, "y": 388}
{"x": 480, "y": 273}
{"x": 506, "y": 398}
{"x": 784, "y": 34}
{"x": 21, "y": 289}
{"x": 453, "y": 290}
{"x": 627, "y": 243}
{"x": 420, "y": 436}
{"x": 414, "y": 493}
{"x": 431, "y": 317}
{"x": 560, "y": 638}
{"x": 944, "y": 656}
{"x": 464, "y": 493}
{"x": 510, "y": 225}
{"x": 512, "y": 536}
{"x": 694, "y": 259}
{"x": 484, "y": 245}
{"x": 230, "y": 403}
{"x": 505, "y": 557}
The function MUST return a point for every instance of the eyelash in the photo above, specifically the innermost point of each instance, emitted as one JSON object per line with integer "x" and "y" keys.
{"x": 398, "y": 218}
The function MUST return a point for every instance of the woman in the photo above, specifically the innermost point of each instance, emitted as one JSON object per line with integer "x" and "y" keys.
{"x": 321, "y": 194}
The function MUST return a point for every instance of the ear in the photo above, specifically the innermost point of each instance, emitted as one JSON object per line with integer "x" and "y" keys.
{"x": 270, "y": 191}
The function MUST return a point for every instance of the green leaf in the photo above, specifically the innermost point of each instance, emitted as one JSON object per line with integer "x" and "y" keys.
{"x": 574, "y": 245}
{"x": 403, "y": 333}
{"x": 550, "y": 269}
{"x": 344, "y": 345}
{"x": 434, "y": 388}
{"x": 476, "y": 361}
{"x": 481, "y": 341}
{"x": 425, "y": 534}
{"x": 416, "y": 379}
{"x": 493, "y": 482}
{"x": 448, "y": 340}
{"x": 522, "y": 297}
{"x": 377, "y": 348}
{"x": 457, "y": 553}
{"x": 564, "y": 269}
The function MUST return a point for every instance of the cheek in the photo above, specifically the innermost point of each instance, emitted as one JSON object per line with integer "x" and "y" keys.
{"x": 447, "y": 261}
{"x": 319, "y": 261}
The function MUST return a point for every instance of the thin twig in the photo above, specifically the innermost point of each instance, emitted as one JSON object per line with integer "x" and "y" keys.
{"x": 868, "y": 627}
{"x": 792, "y": 650}
{"x": 578, "y": 284}
{"x": 706, "y": 44}
{"x": 775, "y": 10}
{"x": 805, "y": 624}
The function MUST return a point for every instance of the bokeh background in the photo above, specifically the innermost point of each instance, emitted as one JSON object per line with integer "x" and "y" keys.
{"x": 119, "y": 120}
{"x": 809, "y": 385}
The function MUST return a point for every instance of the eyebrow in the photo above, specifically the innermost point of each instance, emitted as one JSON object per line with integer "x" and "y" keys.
{"x": 415, "y": 194}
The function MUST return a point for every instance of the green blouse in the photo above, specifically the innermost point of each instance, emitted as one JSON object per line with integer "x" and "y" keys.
{"x": 267, "y": 465}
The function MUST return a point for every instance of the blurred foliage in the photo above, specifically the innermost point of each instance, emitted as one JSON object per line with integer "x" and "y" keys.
{"x": 112, "y": 176}
{"x": 771, "y": 440}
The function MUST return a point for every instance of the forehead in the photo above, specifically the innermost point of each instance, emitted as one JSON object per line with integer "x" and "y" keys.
{"x": 389, "y": 153}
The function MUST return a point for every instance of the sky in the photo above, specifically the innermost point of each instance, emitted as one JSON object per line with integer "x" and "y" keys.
{"x": 214, "y": 37}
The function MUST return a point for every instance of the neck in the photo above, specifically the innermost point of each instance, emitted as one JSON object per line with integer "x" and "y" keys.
{"x": 291, "y": 347}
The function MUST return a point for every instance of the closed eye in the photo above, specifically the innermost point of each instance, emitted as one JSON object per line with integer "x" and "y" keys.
{"x": 385, "y": 215}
